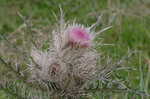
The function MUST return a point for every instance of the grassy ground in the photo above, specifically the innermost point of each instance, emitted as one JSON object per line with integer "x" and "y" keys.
{"x": 131, "y": 31}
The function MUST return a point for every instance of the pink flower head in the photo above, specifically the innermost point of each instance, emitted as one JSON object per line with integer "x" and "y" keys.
{"x": 79, "y": 36}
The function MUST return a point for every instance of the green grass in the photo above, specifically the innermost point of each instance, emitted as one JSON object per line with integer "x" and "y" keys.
{"x": 128, "y": 32}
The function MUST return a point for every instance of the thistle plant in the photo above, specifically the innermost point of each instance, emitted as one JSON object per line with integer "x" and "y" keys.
{"x": 71, "y": 68}
{"x": 70, "y": 62}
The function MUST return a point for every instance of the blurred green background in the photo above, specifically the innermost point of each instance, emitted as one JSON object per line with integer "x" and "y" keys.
{"x": 131, "y": 30}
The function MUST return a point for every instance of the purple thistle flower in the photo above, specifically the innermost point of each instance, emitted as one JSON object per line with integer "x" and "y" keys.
{"x": 79, "y": 36}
